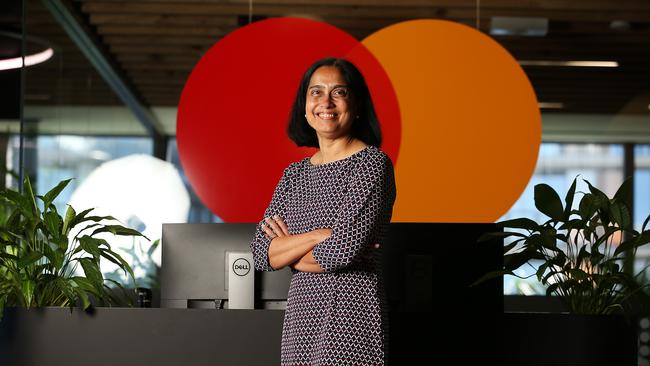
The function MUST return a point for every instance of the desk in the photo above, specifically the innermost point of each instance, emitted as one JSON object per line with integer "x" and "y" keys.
{"x": 134, "y": 336}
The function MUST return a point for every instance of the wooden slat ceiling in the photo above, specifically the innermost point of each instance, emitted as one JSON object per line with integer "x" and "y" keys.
{"x": 156, "y": 44}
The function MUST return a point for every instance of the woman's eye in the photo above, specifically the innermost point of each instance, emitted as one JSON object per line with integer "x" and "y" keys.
{"x": 315, "y": 92}
{"x": 340, "y": 92}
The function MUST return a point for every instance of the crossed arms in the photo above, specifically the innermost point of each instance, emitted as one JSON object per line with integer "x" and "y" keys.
{"x": 293, "y": 250}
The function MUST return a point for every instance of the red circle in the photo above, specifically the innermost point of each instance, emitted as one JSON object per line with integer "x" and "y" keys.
{"x": 233, "y": 112}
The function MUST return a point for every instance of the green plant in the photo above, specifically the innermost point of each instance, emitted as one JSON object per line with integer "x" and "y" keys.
{"x": 580, "y": 251}
{"x": 141, "y": 260}
{"x": 40, "y": 251}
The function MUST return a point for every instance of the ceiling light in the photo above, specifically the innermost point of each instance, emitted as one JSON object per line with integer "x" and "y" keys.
{"x": 518, "y": 26}
{"x": 619, "y": 25}
{"x": 550, "y": 105}
{"x": 12, "y": 41}
{"x": 568, "y": 63}
{"x": 17, "y": 62}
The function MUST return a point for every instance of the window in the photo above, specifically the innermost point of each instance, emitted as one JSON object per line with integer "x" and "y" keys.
{"x": 642, "y": 202}
{"x": 557, "y": 166}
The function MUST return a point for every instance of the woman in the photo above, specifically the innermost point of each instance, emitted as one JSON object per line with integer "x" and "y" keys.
{"x": 327, "y": 220}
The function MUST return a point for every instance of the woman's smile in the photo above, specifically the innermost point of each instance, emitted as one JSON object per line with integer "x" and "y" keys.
{"x": 327, "y": 116}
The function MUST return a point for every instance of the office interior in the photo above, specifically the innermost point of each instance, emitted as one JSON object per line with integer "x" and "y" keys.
{"x": 102, "y": 101}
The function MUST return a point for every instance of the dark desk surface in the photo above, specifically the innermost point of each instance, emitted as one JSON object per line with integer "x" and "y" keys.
{"x": 133, "y": 336}
{"x": 161, "y": 337}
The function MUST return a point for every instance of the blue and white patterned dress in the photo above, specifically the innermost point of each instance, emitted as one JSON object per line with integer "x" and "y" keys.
{"x": 337, "y": 317}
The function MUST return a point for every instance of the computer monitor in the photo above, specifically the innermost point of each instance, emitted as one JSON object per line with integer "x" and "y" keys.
{"x": 193, "y": 271}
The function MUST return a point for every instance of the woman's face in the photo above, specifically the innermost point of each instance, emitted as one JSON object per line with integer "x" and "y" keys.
{"x": 329, "y": 106}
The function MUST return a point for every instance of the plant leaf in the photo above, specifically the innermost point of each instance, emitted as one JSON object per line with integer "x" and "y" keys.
{"x": 53, "y": 223}
{"x": 81, "y": 218}
{"x": 510, "y": 246}
{"x": 633, "y": 243}
{"x": 85, "y": 303}
{"x": 548, "y": 238}
{"x": 29, "y": 258}
{"x": 620, "y": 214}
{"x": 540, "y": 271}
{"x": 27, "y": 289}
{"x": 489, "y": 276}
{"x": 70, "y": 214}
{"x": 153, "y": 247}
{"x": 645, "y": 223}
{"x": 21, "y": 202}
{"x": 568, "y": 199}
{"x": 94, "y": 275}
{"x": 118, "y": 230}
{"x": 126, "y": 296}
{"x": 550, "y": 290}
{"x": 112, "y": 256}
{"x": 90, "y": 245}
{"x": 588, "y": 206}
{"x": 602, "y": 202}
{"x": 578, "y": 274}
{"x": 54, "y": 192}
{"x": 548, "y": 202}
{"x": 623, "y": 192}
{"x": 31, "y": 198}
{"x": 86, "y": 285}
{"x": 519, "y": 223}
{"x": 513, "y": 261}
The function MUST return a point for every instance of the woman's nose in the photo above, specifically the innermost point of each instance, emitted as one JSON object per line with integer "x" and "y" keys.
{"x": 329, "y": 100}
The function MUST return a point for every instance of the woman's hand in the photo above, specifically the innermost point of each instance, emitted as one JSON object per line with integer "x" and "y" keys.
{"x": 275, "y": 227}
{"x": 289, "y": 248}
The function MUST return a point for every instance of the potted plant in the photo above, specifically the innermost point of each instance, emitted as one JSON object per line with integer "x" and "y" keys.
{"x": 40, "y": 252}
{"x": 579, "y": 251}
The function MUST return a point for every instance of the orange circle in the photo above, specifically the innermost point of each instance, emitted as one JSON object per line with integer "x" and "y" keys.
{"x": 471, "y": 127}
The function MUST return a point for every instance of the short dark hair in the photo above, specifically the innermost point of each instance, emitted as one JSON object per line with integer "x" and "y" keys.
{"x": 365, "y": 128}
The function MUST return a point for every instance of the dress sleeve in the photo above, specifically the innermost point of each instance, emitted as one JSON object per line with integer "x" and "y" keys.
{"x": 366, "y": 206}
{"x": 260, "y": 244}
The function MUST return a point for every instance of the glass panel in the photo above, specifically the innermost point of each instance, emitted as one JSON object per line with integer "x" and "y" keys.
{"x": 642, "y": 203}
{"x": 74, "y": 126}
{"x": 198, "y": 211}
{"x": 557, "y": 166}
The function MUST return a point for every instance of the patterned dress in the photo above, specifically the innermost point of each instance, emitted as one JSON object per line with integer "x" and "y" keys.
{"x": 337, "y": 317}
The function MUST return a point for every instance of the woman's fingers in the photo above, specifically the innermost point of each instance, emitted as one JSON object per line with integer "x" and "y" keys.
{"x": 268, "y": 232}
{"x": 281, "y": 224}
{"x": 273, "y": 225}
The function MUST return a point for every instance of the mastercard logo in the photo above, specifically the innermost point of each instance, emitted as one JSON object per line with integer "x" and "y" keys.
{"x": 459, "y": 116}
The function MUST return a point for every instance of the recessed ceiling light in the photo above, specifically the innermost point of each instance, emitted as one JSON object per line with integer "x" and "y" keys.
{"x": 550, "y": 105}
{"x": 568, "y": 63}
